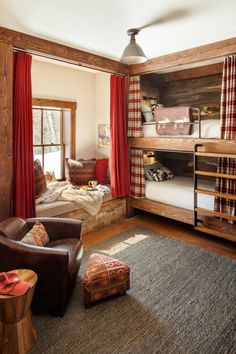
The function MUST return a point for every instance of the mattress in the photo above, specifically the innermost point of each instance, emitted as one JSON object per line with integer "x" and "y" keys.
{"x": 210, "y": 128}
{"x": 179, "y": 192}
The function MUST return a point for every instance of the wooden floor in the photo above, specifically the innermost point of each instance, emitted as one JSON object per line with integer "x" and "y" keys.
{"x": 168, "y": 227}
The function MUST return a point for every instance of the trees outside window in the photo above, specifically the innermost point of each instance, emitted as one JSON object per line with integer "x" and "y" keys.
{"x": 54, "y": 133}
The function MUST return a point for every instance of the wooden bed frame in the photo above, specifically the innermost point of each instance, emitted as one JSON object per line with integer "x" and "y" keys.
{"x": 206, "y": 147}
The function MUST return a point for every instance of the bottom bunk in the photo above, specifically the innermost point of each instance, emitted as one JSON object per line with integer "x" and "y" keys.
{"x": 173, "y": 198}
{"x": 182, "y": 186}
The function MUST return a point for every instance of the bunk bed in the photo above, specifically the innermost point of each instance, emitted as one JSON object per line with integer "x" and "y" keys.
{"x": 182, "y": 198}
{"x": 187, "y": 199}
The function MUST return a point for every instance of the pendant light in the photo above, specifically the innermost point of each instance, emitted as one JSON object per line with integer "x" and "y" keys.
{"x": 133, "y": 53}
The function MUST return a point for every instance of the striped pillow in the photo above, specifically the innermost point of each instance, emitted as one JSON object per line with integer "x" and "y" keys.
{"x": 39, "y": 179}
{"x": 81, "y": 171}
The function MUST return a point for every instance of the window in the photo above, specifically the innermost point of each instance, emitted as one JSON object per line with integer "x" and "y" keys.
{"x": 53, "y": 133}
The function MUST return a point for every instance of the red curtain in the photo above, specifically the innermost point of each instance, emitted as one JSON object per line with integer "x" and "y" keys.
{"x": 23, "y": 168}
{"x": 120, "y": 178}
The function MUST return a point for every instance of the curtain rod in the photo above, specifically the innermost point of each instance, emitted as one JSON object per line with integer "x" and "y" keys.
{"x": 15, "y": 49}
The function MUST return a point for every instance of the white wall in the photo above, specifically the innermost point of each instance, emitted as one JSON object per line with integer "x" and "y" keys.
{"x": 90, "y": 91}
{"x": 102, "y": 107}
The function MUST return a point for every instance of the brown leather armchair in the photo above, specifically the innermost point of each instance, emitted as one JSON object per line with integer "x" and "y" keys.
{"x": 56, "y": 265}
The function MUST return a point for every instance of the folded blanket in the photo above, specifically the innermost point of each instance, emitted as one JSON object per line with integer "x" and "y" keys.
{"x": 173, "y": 120}
{"x": 91, "y": 201}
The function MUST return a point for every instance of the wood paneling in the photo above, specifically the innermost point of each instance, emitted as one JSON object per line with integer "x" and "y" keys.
{"x": 6, "y": 72}
{"x": 59, "y": 51}
{"x": 183, "y": 58}
{"x": 202, "y": 92}
{"x": 149, "y": 89}
{"x": 199, "y": 71}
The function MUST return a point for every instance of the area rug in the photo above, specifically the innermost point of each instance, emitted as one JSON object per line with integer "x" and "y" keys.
{"x": 182, "y": 300}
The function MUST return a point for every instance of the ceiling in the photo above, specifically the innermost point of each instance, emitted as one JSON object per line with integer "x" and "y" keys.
{"x": 100, "y": 26}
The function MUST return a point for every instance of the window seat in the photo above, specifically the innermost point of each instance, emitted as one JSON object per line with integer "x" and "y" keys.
{"x": 112, "y": 210}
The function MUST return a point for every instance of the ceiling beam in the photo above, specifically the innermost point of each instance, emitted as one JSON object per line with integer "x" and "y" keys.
{"x": 181, "y": 60}
{"x": 57, "y": 51}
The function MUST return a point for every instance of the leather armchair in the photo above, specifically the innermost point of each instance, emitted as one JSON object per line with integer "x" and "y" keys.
{"x": 56, "y": 265}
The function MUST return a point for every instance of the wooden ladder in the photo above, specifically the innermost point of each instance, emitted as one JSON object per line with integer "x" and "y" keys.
{"x": 211, "y": 221}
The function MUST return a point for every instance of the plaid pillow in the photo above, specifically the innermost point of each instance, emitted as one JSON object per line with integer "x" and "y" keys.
{"x": 37, "y": 236}
{"x": 39, "y": 179}
{"x": 81, "y": 171}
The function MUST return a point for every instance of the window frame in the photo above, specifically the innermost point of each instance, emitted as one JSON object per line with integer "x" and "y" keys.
{"x": 45, "y": 103}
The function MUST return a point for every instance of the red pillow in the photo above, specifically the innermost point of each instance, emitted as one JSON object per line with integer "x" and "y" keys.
{"x": 101, "y": 171}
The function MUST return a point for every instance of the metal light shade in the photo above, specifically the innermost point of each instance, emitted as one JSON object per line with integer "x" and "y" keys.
{"x": 133, "y": 53}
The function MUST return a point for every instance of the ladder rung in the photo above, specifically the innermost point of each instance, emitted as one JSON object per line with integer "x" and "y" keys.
{"x": 217, "y": 233}
{"x": 215, "y": 154}
{"x": 215, "y": 174}
{"x": 216, "y": 194}
{"x": 215, "y": 213}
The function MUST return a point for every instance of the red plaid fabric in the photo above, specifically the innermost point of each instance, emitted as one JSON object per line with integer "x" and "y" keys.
{"x": 228, "y": 131}
{"x": 134, "y": 108}
{"x": 224, "y": 185}
{"x": 228, "y": 99}
{"x": 137, "y": 182}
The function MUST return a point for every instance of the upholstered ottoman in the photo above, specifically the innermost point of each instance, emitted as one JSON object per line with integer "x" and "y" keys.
{"x": 105, "y": 276}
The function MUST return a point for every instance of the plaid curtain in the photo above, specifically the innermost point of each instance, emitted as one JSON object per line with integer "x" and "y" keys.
{"x": 134, "y": 109}
{"x": 137, "y": 182}
{"x": 228, "y": 131}
{"x": 228, "y": 99}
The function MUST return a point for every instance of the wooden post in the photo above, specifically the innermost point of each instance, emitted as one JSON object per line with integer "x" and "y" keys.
{"x": 6, "y": 166}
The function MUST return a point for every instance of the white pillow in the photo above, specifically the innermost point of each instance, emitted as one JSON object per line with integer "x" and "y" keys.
{"x": 147, "y": 113}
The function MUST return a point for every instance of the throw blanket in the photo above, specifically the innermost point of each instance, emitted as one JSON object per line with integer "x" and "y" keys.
{"x": 173, "y": 121}
{"x": 91, "y": 201}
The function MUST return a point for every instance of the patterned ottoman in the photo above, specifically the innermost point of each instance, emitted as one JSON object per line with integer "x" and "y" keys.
{"x": 105, "y": 276}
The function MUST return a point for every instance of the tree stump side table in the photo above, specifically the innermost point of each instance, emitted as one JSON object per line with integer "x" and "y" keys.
{"x": 17, "y": 330}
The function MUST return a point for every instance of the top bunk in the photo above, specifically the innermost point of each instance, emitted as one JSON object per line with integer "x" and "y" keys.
{"x": 196, "y": 88}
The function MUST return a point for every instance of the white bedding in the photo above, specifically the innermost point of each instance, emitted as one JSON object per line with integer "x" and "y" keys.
{"x": 210, "y": 128}
{"x": 178, "y": 192}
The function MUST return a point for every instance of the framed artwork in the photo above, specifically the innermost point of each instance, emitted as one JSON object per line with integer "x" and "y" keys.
{"x": 104, "y": 135}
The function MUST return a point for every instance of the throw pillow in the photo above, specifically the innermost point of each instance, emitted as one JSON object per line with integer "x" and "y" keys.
{"x": 81, "y": 171}
{"x": 161, "y": 174}
{"x": 37, "y": 236}
{"x": 147, "y": 113}
{"x": 148, "y": 167}
{"x": 101, "y": 171}
{"x": 39, "y": 179}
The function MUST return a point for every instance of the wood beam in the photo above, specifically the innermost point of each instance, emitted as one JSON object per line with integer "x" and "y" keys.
{"x": 180, "y": 60}
{"x": 58, "y": 51}
{"x": 6, "y": 162}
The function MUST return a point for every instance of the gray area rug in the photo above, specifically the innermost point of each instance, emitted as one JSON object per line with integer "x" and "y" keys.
{"x": 182, "y": 300}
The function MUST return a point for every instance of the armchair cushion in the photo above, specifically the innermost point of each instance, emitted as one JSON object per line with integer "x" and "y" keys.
{"x": 37, "y": 236}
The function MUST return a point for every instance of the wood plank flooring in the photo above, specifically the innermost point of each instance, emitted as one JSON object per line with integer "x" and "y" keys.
{"x": 168, "y": 227}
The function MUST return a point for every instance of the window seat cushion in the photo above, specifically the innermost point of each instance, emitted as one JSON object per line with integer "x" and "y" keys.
{"x": 60, "y": 207}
